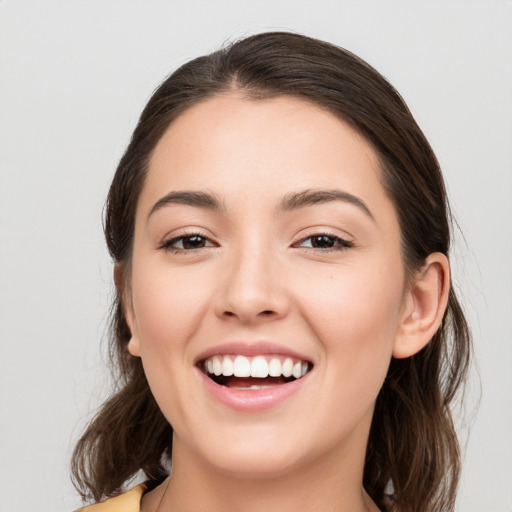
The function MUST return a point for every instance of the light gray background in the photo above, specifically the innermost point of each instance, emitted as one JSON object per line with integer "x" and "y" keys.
{"x": 74, "y": 76}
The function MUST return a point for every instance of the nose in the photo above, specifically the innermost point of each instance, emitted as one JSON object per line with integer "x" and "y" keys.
{"x": 253, "y": 287}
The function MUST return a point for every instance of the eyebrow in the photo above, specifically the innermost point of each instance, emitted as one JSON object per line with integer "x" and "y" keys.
{"x": 204, "y": 200}
{"x": 311, "y": 197}
{"x": 292, "y": 201}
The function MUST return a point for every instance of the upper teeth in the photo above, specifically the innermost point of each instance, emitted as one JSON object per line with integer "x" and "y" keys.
{"x": 257, "y": 367}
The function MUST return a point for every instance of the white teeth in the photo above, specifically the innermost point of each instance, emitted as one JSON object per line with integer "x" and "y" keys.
{"x": 217, "y": 366}
{"x": 228, "y": 367}
{"x": 287, "y": 368}
{"x": 242, "y": 367}
{"x": 259, "y": 367}
{"x": 274, "y": 367}
{"x": 297, "y": 370}
{"x": 253, "y": 386}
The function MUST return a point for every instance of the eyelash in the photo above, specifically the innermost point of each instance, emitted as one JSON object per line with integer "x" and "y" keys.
{"x": 168, "y": 244}
{"x": 341, "y": 243}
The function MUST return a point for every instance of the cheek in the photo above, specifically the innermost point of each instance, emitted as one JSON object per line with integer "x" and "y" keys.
{"x": 355, "y": 313}
{"x": 356, "y": 299}
{"x": 167, "y": 305}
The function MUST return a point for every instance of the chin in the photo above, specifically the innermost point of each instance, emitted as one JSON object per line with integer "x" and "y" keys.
{"x": 256, "y": 466}
{"x": 250, "y": 455}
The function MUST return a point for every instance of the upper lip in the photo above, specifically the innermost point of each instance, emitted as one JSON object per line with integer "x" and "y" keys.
{"x": 249, "y": 349}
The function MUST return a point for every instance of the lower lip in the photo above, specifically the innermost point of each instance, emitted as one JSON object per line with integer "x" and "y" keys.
{"x": 252, "y": 400}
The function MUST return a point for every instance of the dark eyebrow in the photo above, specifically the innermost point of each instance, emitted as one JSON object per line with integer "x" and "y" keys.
{"x": 310, "y": 197}
{"x": 205, "y": 200}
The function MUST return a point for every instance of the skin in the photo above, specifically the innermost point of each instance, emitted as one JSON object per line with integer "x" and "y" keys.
{"x": 257, "y": 277}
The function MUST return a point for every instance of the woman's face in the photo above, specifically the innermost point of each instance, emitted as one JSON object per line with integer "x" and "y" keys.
{"x": 265, "y": 242}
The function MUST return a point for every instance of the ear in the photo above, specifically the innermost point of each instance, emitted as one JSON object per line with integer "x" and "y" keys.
{"x": 120, "y": 281}
{"x": 424, "y": 306}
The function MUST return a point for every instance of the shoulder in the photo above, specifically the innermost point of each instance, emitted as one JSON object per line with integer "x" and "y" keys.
{"x": 126, "y": 502}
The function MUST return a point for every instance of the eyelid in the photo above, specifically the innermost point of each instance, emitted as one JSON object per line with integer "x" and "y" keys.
{"x": 167, "y": 242}
{"x": 344, "y": 242}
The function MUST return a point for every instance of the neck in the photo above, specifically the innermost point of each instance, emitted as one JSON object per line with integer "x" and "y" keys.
{"x": 332, "y": 483}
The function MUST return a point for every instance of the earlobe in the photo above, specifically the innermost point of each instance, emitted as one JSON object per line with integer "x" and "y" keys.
{"x": 134, "y": 347}
{"x": 424, "y": 306}
{"x": 120, "y": 282}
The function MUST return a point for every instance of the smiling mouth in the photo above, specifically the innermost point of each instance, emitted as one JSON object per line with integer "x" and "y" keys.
{"x": 251, "y": 373}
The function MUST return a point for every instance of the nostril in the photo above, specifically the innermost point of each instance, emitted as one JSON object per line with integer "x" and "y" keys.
{"x": 245, "y": 316}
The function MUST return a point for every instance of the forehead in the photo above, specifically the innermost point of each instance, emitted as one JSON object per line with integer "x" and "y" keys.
{"x": 238, "y": 147}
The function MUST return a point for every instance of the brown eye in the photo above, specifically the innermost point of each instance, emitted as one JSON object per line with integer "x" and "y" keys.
{"x": 193, "y": 242}
{"x": 326, "y": 242}
{"x": 187, "y": 243}
{"x": 322, "y": 242}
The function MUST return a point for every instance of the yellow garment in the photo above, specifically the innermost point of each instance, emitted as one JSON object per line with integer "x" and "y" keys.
{"x": 126, "y": 502}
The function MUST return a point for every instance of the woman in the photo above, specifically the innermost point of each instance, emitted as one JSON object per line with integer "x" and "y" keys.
{"x": 280, "y": 234}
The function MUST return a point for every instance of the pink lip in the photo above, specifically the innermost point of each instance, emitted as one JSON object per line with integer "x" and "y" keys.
{"x": 250, "y": 348}
{"x": 253, "y": 400}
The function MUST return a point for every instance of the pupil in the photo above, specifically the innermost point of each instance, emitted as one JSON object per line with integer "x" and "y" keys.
{"x": 322, "y": 241}
{"x": 193, "y": 242}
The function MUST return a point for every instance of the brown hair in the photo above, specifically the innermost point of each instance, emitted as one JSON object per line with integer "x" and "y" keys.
{"x": 412, "y": 442}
